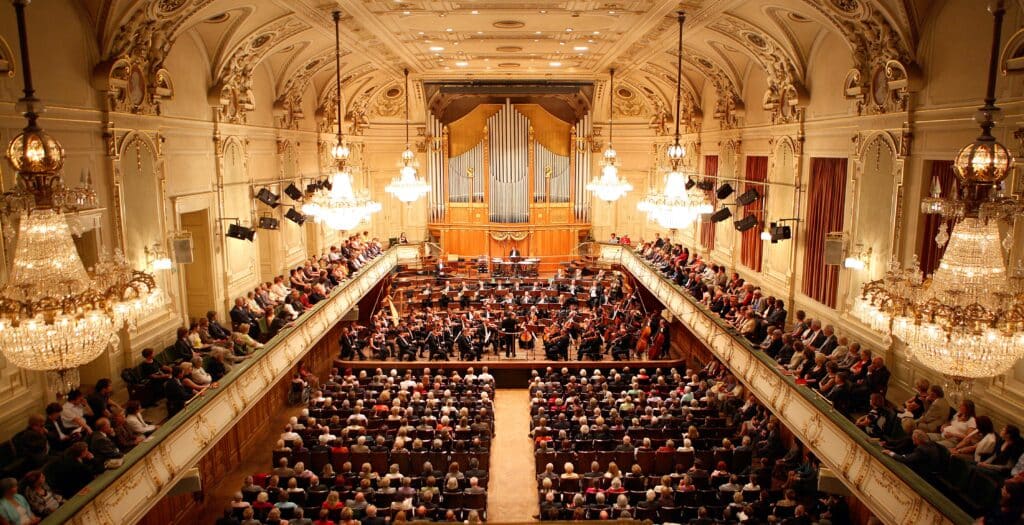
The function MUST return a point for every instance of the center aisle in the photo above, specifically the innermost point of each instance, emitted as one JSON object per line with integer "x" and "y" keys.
{"x": 512, "y": 486}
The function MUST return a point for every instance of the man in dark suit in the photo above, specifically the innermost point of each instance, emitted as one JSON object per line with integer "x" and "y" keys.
{"x": 217, "y": 331}
{"x": 176, "y": 392}
{"x": 73, "y": 471}
{"x": 508, "y": 334}
{"x": 100, "y": 443}
{"x": 829, "y": 343}
{"x": 514, "y": 252}
{"x": 240, "y": 314}
{"x": 926, "y": 457}
{"x": 776, "y": 315}
{"x": 841, "y": 395}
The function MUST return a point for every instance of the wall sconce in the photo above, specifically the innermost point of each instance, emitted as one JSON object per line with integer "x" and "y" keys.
{"x": 858, "y": 261}
{"x": 157, "y": 258}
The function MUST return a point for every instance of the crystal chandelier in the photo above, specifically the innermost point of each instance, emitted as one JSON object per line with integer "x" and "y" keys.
{"x": 339, "y": 207}
{"x": 55, "y": 316}
{"x": 609, "y": 187}
{"x": 676, "y": 207}
{"x": 967, "y": 320}
{"x": 407, "y": 187}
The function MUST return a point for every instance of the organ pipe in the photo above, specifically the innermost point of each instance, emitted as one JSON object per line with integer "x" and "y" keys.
{"x": 508, "y": 142}
{"x": 554, "y": 185}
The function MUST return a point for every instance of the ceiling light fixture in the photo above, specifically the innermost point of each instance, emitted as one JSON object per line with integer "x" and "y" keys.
{"x": 54, "y": 316}
{"x": 555, "y": 64}
{"x": 339, "y": 207}
{"x": 609, "y": 187}
{"x": 407, "y": 187}
{"x": 678, "y": 206}
{"x": 966, "y": 320}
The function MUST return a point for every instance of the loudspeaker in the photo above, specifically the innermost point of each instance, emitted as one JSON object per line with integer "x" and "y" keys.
{"x": 830, "y": 484}
{"x": 189, "y": 484}
{"x": 721, "y": 215}
{"x": 181, "y": 250}
{"x": 835, "y": 245}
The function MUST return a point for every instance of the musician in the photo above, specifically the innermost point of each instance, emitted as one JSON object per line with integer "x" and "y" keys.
{"x": 406, "y": 349}
{"x": 558, "y": 347}
{"x": 348, "y": 348}
{"x": 508, "y": 329}
{"x": 435, "y": 345}
{"x": 514, "y": 252}
{"x": 527, "y": 340}
{"x": 427, "y": 303}
{"x": 444, "y": 300}
{"x": 465, "y": 348}
{"x": 590, "y": 345}
{"x": 621, "y": 345}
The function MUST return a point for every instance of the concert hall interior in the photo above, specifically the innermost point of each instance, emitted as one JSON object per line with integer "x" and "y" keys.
{"x": 339, "y": 262}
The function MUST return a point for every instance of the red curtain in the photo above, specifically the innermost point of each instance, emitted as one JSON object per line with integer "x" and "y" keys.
{"x": 750, "y": 249}
{"x": 930, "y": 252}
{"x": 826, "y": 200}
{"x": 707, "y": 228}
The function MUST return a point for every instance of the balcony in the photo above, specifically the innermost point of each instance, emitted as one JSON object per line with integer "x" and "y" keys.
{"x": 153, "y": 468}
{"x": 892, "y": 491}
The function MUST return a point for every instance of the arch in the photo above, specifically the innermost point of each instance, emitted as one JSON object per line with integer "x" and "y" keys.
{"x": 139, "y": 188}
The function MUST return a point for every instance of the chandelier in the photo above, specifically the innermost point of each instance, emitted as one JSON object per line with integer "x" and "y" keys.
{"x": 609, "y": 187}
{"x": 967, "y": 320}
{"x": 54, "y": 315}
{"x": 407, "y": 187}
{"x": 676, "y": 207}
{"x": 337, "y": 205}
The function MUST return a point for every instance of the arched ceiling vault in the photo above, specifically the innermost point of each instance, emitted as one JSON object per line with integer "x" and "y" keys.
{"x": 493, "y": 39}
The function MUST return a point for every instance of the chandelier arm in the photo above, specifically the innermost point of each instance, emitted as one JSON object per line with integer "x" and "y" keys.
{"x": 406, "y": 70}
{"x": 337, "y": 67}
{"x": 679, "y": 72}
{"x": 29, "y": 98}
{"x": 611, "y": 104}
{"x": 998, "y": 12}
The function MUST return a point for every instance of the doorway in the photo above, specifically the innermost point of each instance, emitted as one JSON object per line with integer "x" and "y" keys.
{"x": 199, "y": 285}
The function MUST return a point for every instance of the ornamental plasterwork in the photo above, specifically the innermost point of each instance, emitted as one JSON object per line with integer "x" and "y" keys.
{"x": 786, "y": 95}
{"x": 132, "y": 75}
{"x": 389, "y": 102}
{"x": 628, "y": 103}
{"x": 232, "y": 94}
{"x": 7, "y": 64}
{"x": 729, "y": 106}
{"x": 288, "y": 106}
{"x": 884, "y": 72}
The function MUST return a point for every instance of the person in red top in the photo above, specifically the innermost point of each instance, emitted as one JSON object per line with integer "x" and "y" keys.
{"x": 669, "y": 446}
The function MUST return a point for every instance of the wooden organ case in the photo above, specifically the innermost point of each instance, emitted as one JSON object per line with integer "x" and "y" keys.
{"x": 507, "y": 176}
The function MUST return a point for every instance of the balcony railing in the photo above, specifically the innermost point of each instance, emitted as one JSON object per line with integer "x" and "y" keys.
{"x": 892, "y": 491}
{"x": 125, "y": 494}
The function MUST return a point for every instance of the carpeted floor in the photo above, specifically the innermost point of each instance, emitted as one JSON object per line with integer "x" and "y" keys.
{"x": 512, "y": 488}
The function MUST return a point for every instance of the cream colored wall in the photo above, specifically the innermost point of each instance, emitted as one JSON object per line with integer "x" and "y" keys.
{"x": 193, "y": 168}
{"x": 941, "y": 122}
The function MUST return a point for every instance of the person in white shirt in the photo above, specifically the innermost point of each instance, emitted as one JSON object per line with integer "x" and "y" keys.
{"x": 278, "y": 291}
{"x": 290, "y": 434}
{"x": 485, "y": 376}
{"x": 134, "y": 420}
{"x": 73, "y": 412}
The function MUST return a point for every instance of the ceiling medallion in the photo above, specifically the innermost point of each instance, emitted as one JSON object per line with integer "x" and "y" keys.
{"x": 509, "y": 24}
{"x": 624, "y": 93}
{"x": 757, "y": 40}
{"x": 394, "y": 92}
{"x": 509, "y": 49}
{"x": 261, "y": 40}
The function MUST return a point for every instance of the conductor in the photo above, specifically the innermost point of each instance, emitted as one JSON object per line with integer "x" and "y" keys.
{"x": 508, "y": 334}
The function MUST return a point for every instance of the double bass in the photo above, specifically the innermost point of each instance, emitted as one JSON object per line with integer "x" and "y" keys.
{"x": 655, "y": 348}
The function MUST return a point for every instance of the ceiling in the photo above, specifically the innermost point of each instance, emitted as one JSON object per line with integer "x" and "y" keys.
{"x": 444, "y": 40}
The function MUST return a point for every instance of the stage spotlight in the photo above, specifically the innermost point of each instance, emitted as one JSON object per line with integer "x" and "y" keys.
{"x": 724, "y": 191}
{"x": 268, "y": 197}
{"x": 777, "y": 233}
{"x": 313, "y": 187}
{"x": 748, "y": 197}
{"x": 706, "y": 185}
{"x": 269, "y": 223}
{"x": 293, "y": 192}
{"x": 326, "y": 184}
{"x": 745, "y": 223}
{"x": 295, "y": 216}
{"x": 237, "y": 231}
{"x": 766, "y": 235}
{"x": 690, "y": 183}
{"x": 721, "y": 215}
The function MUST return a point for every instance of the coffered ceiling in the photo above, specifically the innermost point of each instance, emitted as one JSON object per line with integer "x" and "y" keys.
{"x": 726, "y": 41}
